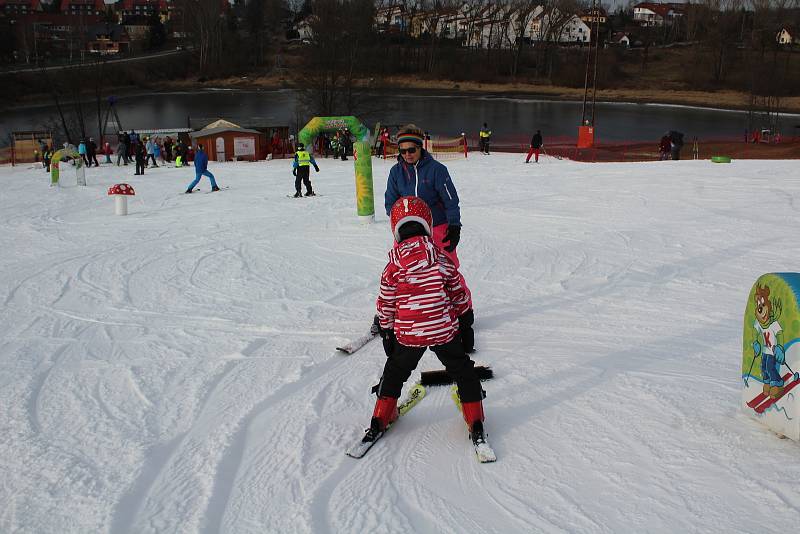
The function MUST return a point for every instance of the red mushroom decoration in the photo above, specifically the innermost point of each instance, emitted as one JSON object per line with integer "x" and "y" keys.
{"x": 121, "y": 192}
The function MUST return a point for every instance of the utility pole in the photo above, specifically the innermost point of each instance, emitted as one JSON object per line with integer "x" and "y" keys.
{"x": 586, "y": 128}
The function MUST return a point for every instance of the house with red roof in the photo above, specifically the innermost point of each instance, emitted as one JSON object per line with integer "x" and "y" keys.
{"x": 657, "y": 14}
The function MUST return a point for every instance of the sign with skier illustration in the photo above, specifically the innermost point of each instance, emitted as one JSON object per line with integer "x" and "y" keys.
{"x": 769, "y": 355}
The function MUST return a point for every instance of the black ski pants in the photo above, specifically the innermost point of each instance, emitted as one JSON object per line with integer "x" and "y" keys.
{"x": 403, "y": 360}
{"x": 302, "y": 174}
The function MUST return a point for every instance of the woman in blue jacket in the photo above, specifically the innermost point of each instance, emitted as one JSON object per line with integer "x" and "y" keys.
{"x": 417, "y": 174}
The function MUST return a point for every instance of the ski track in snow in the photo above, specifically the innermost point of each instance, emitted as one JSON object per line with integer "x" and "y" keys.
{"x": 174, "y": 370}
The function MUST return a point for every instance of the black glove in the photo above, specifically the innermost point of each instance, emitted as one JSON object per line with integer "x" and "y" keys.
{"x": 465, "y": 330}
{"x": 316, "y": 168}
{"x": 389, "y": 340}
{"x": 294, "y": 172}
{"x": 453, "y": 236}
{"x": 375, "y": 328}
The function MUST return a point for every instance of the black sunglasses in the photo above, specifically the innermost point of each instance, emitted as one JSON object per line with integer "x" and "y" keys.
{"x": 411, "y": 150}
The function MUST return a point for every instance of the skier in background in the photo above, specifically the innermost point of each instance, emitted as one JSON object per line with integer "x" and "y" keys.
{"x": 420, "y": 297}
{"x": 485, "y": 135}
{"x": 536, "y": 145}
{"x": 151, "y": 151}
{"x": 416, "y": 173}
{"x": 201, "y": 169}
{"x": 91, "y": 152}
{"x": 141, "y": 157}
{"x": 676, "y": 144}
{"x": 47, "y": 155}
{"x": 336, "y": 144}
{"x": 82, "y": 152}
{"x": 301, "y": 168}
{"x": 664, "y": 147}
{"x": 346, "y": 144}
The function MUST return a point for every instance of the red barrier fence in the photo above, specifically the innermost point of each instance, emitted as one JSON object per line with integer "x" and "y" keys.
{"x": 566, "y": 147}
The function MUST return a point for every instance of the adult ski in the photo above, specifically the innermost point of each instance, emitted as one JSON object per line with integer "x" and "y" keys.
{"x": 761, "y": 396}
{"x": 770, "y": 401}
{"x": 363, "y": 445}
{"x": 483, "y": 451}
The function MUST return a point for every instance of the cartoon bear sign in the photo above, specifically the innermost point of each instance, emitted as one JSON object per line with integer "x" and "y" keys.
{"x": 771, "y": 329}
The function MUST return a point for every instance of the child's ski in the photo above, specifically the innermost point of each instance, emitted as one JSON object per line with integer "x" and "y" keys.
{"x": 769, "y": 402}
{"x": 483, "y": 450}
{"x": 363, "y": 445}
{"x": 351, "y": 346}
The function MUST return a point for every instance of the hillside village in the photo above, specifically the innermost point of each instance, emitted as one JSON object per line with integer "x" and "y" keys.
{"x": 36, "y": 31}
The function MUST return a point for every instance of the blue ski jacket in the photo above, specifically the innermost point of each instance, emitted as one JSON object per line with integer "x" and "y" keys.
{"x": 200, "y": 161}
{"x": 429, "y": 180}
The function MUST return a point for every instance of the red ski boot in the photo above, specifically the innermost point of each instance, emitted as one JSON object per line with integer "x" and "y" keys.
{"x": 385, "y": 413}
{"x": 473, "y": 415}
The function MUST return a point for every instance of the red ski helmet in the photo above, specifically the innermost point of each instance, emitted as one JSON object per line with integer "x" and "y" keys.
{"x": 408, "y": 209}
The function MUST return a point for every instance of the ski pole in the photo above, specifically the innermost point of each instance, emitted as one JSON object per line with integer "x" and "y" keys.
{"x": 796, "y": 375}
{"x": 751, "y": 368}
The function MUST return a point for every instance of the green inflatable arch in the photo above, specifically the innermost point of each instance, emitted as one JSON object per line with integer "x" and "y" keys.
{"x": 55, "y": 165}
{"x": 319, "y": 125}
{"x": 362, "y": 154}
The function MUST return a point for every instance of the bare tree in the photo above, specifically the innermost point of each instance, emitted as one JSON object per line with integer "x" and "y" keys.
{"x": 519, "y": 29}
{"x": 342, "y": 40}
{"x": 204, "y": 21}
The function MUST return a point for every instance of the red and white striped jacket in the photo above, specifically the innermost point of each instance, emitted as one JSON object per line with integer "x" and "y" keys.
{"x": 421, "y": 294}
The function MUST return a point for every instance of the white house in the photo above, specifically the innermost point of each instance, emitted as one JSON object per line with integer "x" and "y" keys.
{"x": 552, "y": 25}
{"x": 391, "y": 18}
{"x": 786, "y": 36}
{"x": 657, "y": 14}
{"x": 304, "y": 29}
{"x": 621, "y": 39}
{"x": 575, "y": 30}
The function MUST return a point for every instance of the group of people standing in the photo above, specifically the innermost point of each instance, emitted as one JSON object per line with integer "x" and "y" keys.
{"x": 340, "y": 144}
{"x": 147, "y": 151}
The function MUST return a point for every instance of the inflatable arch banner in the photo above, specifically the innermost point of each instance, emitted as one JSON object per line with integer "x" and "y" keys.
{"x": 64, "y": 154}
{"x": 365, "y": 200}
{"x": 365, "y": 197}
{"x": 319, "y": 125}
{"x": 771, "y": 354}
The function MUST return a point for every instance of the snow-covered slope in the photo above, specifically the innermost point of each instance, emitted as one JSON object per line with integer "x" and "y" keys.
{"x": 174, "y": 370}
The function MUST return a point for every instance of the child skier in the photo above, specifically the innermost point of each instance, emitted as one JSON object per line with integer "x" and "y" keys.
{"x": 420, "y": 299}
{"x": 301, "y": 169}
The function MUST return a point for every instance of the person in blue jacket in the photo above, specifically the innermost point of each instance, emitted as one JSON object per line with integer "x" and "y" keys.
{"x": 417, "y": 174}
{"x": 201, "y": 169}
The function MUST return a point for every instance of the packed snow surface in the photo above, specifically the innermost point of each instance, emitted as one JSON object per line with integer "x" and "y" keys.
{"x": 174, "y": 370}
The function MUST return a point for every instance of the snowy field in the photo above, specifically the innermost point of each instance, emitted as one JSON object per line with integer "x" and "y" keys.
{"x": 174, "y": 370}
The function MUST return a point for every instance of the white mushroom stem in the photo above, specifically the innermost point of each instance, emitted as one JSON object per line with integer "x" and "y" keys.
{"x": 120, "y": 204}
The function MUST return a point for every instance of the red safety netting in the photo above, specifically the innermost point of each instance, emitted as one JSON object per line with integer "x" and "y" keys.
{"x": 565, "y": 147}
